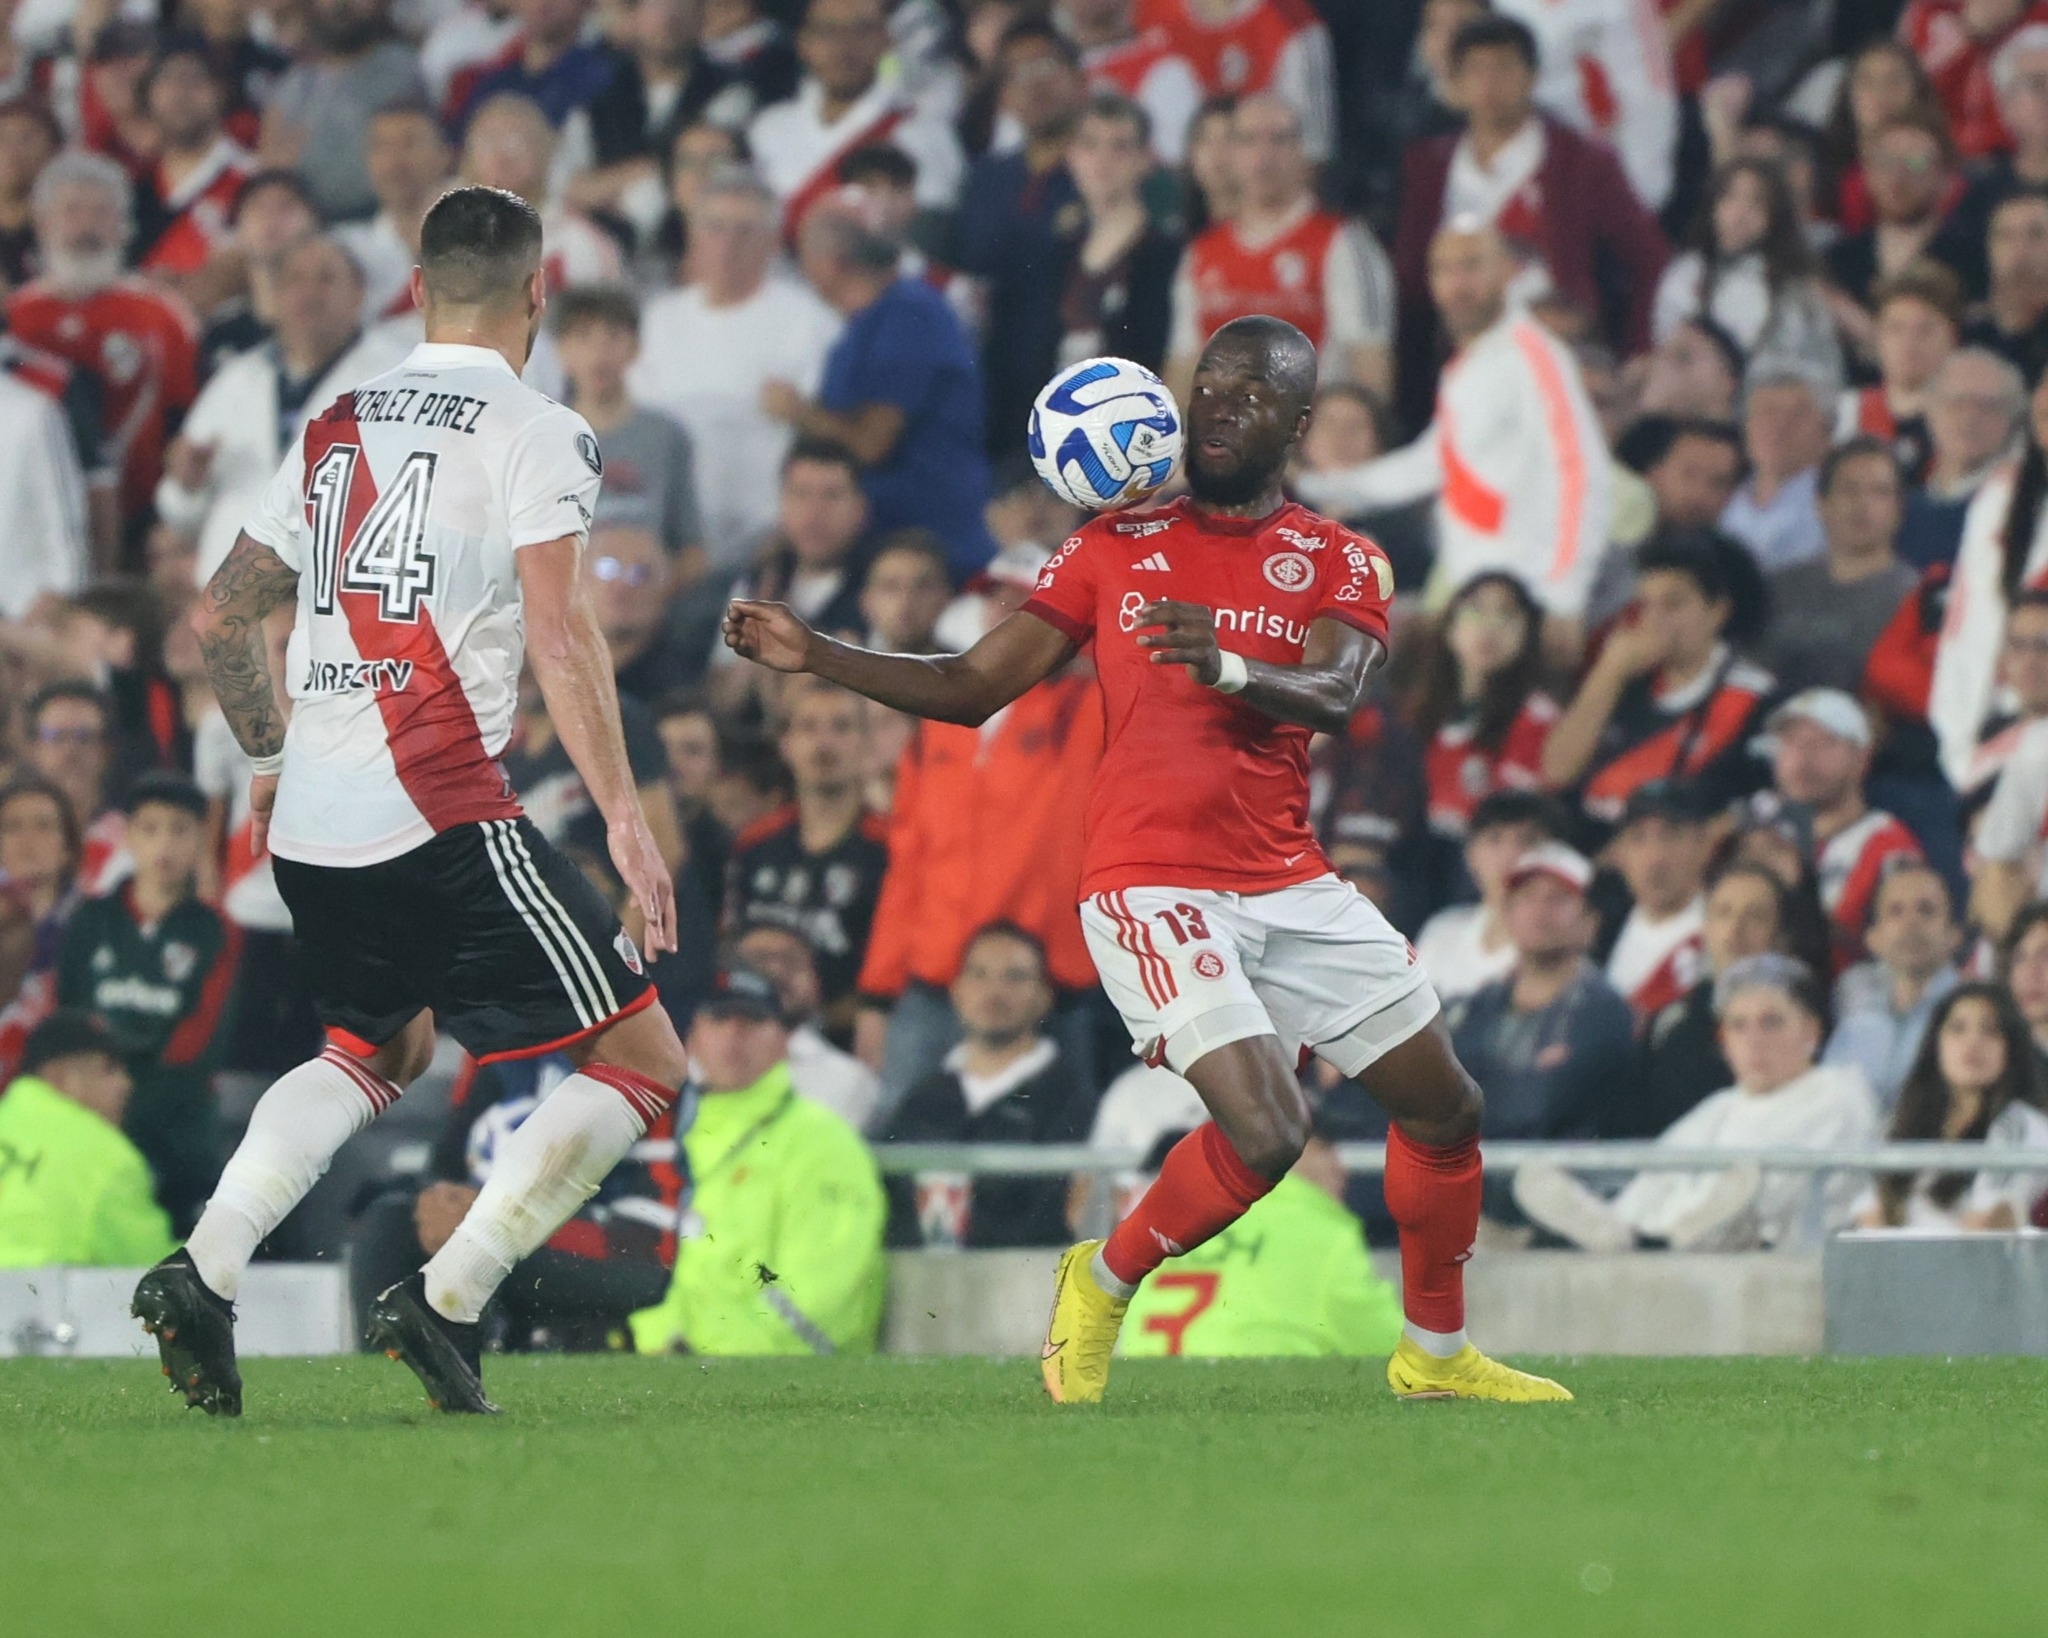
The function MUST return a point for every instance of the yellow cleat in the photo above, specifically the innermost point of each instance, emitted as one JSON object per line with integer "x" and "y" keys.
{"x": 1081, "y": 1335}
{"x": 1468, "y": 1374}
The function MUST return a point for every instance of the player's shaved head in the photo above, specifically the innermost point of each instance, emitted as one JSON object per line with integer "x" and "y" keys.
{"x": 1254, "y": 386}
{"x": 1284, "y": 355}
{"x": 479, "y": 247}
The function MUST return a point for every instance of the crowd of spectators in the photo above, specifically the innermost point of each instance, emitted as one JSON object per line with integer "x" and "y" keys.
{"x": 1687, "y": 356}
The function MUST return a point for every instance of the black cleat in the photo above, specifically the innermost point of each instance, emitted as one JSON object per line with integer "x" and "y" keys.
{"x": 194, "y": 1328}
{"x": 446, "y": 1355}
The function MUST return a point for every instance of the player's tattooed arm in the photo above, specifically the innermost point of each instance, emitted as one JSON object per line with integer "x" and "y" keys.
{"x": 967, "y": 688}
{"x": 229, "y": 619}
{"x": 1320, "y": 693}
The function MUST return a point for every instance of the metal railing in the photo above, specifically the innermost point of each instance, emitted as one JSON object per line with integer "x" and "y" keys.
{"x": 1051, "y": 1160}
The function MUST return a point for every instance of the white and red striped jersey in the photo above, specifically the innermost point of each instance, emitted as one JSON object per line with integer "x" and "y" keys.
{"x": 1849, "y": 869}
{"x": 1516, "y": 460}
{"x": 1260, "y": 45}
{"x": 1605, "y": 69}
{"x": 1654, "y": 963}
{"x": 401, "y": 508}
{"x": 2015, "y": 822}
{"x": 798, "y": 151}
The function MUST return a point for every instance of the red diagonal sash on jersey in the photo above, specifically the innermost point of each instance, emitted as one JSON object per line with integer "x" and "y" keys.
{"x": 429, "y": 726}
{"x": 826, "y": 177}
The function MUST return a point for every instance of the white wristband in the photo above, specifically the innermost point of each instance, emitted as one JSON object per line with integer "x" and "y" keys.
{"x": 1231, "y": 673}
{"x": 265, "y": 767}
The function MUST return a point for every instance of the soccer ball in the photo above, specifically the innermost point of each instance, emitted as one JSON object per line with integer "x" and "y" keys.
{"x": 1105, "y": 432}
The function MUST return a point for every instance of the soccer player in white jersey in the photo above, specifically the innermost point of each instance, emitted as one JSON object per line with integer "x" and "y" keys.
{"x": 428, "y": 528}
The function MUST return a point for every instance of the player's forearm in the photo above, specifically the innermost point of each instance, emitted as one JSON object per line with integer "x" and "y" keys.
{"x": 573, "y": 667}
{"x": 939, "y": 687}
{"x": 230, "y": 621}
{"x": 1308, "y": 696}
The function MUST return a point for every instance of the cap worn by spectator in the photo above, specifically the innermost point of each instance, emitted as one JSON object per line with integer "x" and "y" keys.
{"x": 1676, "y": 800}
{"x": 67, "y": 1033}
{"x": 1828, "y": 708}
{"x": 1553, "y": 859}
{"x": 741, "y": 992}
{"x": 171, "y": 789}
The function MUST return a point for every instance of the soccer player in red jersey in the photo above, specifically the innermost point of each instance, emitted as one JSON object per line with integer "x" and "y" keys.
{"x": 1228, "y": 629}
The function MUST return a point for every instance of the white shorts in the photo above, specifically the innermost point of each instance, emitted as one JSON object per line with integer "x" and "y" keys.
{"x": 1316, "y": 964}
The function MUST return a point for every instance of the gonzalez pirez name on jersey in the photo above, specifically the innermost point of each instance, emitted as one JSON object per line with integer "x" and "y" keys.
{"x": 456, "y": 411}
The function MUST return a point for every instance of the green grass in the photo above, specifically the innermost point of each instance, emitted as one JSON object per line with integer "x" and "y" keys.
{"x": 659, "y": 1497}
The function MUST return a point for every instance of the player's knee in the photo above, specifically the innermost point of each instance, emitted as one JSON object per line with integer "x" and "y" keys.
{"x": 1271, "y": 1142}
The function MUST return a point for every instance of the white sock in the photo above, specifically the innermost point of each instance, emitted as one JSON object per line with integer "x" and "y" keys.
{"x": 543, "y": 1173}
{"x": 308, "y": 1113}
{"x": 1122, "y": 1290}
{"x": 1438, "y": 1344}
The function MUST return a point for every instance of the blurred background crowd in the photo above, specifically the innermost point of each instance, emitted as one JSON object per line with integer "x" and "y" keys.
{"x": 1685, "y": 355}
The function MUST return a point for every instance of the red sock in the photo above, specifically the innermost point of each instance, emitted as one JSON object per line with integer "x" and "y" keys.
{"x": 1202, "y": 1189}
{"x": 1433, "y": 1195}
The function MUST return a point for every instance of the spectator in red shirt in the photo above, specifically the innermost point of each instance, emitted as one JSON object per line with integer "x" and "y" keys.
{"x": 1281, "y": 253}
{"x": 1478, "y": 708}
{"x": 1956, "y": 41}
{"x": 1243, "y": 48}
{"x": 1883, "y": 82}
{"x": 142, "y": 342}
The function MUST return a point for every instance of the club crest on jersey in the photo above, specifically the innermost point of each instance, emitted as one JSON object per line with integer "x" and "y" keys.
{"x": 628, "y": 953}
{"x": 1142, "y": 527}
{"x": 1128, "y": 610}
{"x": 1290, "y": 571}
{"x": 586, "y": 446}
{"x": 1207, "y": 964}
{"x": 179, "y": 960}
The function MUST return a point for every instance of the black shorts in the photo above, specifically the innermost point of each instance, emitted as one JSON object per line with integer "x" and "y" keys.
{"x": 487, "y": 925}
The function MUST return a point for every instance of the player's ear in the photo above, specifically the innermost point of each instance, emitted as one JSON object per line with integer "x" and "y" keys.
{"x": 417, "y": 284}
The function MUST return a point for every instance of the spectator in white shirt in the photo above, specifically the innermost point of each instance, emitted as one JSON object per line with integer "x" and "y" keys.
{"x": 258, "y": 403}
{"x": 847, "y": 100}
{"x": 708, "y": 348}
{"x": 42, "y": 496}
{"x": 1770, "y": 1010}
{"x": 410, "y": 166}
{"x": 1515, "y": 457}
{"x": 1977, "y": 1079}
{"x": 1661, "y": 851}
{"x": 1467, "y": 946}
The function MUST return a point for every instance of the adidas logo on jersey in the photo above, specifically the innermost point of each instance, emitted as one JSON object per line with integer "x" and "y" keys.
{"x": 1156, "y": 561}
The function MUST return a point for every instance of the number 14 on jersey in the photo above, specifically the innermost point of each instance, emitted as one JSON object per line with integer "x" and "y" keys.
{"x": 367, "y": 542}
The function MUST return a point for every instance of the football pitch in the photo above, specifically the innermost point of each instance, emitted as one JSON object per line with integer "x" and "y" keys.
{"x": 892, "y": 1496}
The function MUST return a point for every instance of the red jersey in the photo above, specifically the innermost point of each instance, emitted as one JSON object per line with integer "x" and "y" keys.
{"x": 1850, "y": 869}
{"x": 1240, "y": 57}
{"x": 1960, "y": 68}
{"x": 1462, "y": 774}
{"x": 1283, "y": 277}
{"x": 142, "y": 344}
{"x": 1195, "y": 788}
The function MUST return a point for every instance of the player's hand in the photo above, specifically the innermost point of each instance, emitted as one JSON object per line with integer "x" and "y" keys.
{"x": 262, "y": 798}
{"x": 1182, "y": 634}
{"x": 769, "y": 634}
{"x": 639, "y": 864}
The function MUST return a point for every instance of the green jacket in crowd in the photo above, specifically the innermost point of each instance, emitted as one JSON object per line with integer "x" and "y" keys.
{"x": 1289, "y": 1277}
{"x": 164, "y": 991}
{"x": 789, "y": 1256}
{"x": 72, "y": 1188}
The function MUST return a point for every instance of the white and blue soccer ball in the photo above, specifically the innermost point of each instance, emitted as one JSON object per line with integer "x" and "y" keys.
{"x": 1105, "y": 432}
